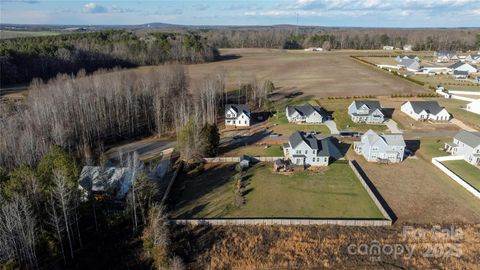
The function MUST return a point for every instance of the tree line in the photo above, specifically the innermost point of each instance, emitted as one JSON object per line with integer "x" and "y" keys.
{"x": 22, "y": 59}
{"x": 344, "y": 38}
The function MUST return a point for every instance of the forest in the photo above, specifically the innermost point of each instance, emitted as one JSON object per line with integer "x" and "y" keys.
{"x": 22, "y": 59}
{"x": 290, "y": 37}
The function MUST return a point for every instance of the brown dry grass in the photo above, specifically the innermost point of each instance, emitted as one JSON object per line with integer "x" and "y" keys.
{"x": 315, "y": 74}
{"x": 319, "y": 247}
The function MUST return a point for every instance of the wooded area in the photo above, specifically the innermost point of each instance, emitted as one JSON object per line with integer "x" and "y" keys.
{"x": 22, "y": 59}
{"x": 290, "y": 37}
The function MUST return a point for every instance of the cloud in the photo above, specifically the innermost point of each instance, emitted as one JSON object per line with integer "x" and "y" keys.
{"x": 94, "y": 8}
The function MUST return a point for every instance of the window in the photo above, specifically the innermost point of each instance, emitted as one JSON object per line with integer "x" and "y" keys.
{"x": 313, "y": 152}
{"x": 325, "y": 159}
{"x": 306, "y": 152}
{"x": 299, "y": 152}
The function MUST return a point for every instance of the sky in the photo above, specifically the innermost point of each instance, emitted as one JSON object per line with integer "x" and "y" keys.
{"x": 367, "y": 13}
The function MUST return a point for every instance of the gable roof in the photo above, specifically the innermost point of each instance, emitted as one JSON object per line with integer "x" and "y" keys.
{"x": 408, "y": 62}
{"x": 459, "y": 64}
{"x": 388, "y": 139}
{"x": 471, "y": 139}
{"x": 428, "y": 106}
{"x": 105, "y": 179}
{"x": 324, "y": 146}
{"x": 238, "y": 108}
{"x": 446, "y": 53}
{"x": 371, "y": 104}
{"x": 306, "y": 109}
{"x": 411, "y": 56}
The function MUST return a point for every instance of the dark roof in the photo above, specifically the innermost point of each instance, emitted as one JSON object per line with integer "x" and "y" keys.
{"x": 306, "y": 109}
{"x": 460, "y": 72}
{"x": 429, "y": 106}
{"x": 238, "y": 108}
{"x": 298, "y": 137}
{"x": 324, "y": 147}
{"x": 459, "y": 64}
{"x": 371, "y": 104}
{"x": 471, "y": 139}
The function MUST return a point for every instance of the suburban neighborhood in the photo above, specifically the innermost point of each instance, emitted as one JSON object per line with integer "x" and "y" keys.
{"x": 297, "y": 134}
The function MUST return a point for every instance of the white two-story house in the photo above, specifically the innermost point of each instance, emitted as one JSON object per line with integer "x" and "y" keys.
{"x": 237, "y": 115}
{"x": 305, "y": 149}
{"x": 466, "y": 144}
{"x": 386, "y": 147}
{"x": 366, "y": 111}
{"x": 306, "y": 114}
{"x": 425, "y": 110}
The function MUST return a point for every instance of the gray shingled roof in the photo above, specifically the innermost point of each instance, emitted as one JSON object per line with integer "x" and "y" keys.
{"x": 429, "y": 106}
{"x": 459, "y": 64}
{"x": 371, "y": 104}
{"x": 471, "y": 139}
{"x": 407, "y": 62}
{"x": 238, "y": 108}
{"x": 306, "y": 109}
{"x": 460, "y": 72}
{"x": 324, "y": 147}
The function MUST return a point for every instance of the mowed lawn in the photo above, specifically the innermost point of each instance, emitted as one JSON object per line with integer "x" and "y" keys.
{"x": 256, "y": 150}
{"x": 465, "y": 170}
{"x": 343, "y": 120}
{"x": 332, "y": 193}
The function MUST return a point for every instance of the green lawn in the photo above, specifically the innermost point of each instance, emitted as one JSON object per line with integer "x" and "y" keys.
{"x": 343, "y": 120}
{"x": 456, "y": 108}
{"x": 256, "y": 150}
{"x": 282, "y": 126}
{"x": 333, "y": 193}
{"x": 466, "y": 171}
{"x": 432, "y": 147}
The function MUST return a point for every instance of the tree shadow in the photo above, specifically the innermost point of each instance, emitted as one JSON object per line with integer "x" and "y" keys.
{"x": 245, "y": 141}
{"x": 227, "y": 57}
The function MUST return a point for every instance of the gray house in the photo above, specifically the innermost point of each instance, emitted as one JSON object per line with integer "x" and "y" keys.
{"x": 388, "y": 148}
{"x": 306, "y": 114}
{"x": 466, "y": 144}
{"x": 305, "y": 149}
{"x": 366, "y": 111}
{"x": 112, "y": 181}
{"x": 399, "y": 58}
{"x": 409, "y": 64}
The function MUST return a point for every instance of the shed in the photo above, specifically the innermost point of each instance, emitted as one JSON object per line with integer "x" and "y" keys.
{"x": 244, "y": 162}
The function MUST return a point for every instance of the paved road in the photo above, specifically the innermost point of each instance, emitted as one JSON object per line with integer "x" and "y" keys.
{"x": 332, "y": 126}
{"x": 393, "y": 127}
{"x": 146, "y": 148}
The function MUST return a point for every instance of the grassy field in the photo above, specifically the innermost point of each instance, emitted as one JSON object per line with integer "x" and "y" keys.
{"x": 456, "y": 108}
{"x": 466, "y": 171}
{"x": 343, "y": 120}
{"x": 331, "y": 193}
{"x": 4, "y": 34}
{"x": 314, "y": 74}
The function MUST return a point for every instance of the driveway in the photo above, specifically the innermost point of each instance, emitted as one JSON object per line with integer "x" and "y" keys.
{"x": 332, "y": 126}
{"x": 392, "y": 126}
{"x": 462, "y": 125}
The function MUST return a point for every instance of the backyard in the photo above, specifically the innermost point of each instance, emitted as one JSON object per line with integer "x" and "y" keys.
{"x": 332, "y": 192}
{"x": 466, "y": 171}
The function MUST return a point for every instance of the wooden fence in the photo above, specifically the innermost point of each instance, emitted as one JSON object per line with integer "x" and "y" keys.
{"x": 353, "y": 164}
{"x": 281, "y": 221}
{"x": 387, "y": 221}
{"x": 237, "y": 159}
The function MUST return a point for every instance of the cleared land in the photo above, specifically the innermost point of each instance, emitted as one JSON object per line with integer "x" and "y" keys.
{"x": 4, "y": 34}
{"x": 418, "y": 192}
{"x": 315, "y": 74}
{"x": 466, "y": 171}
{"x": 333, "y": 192}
